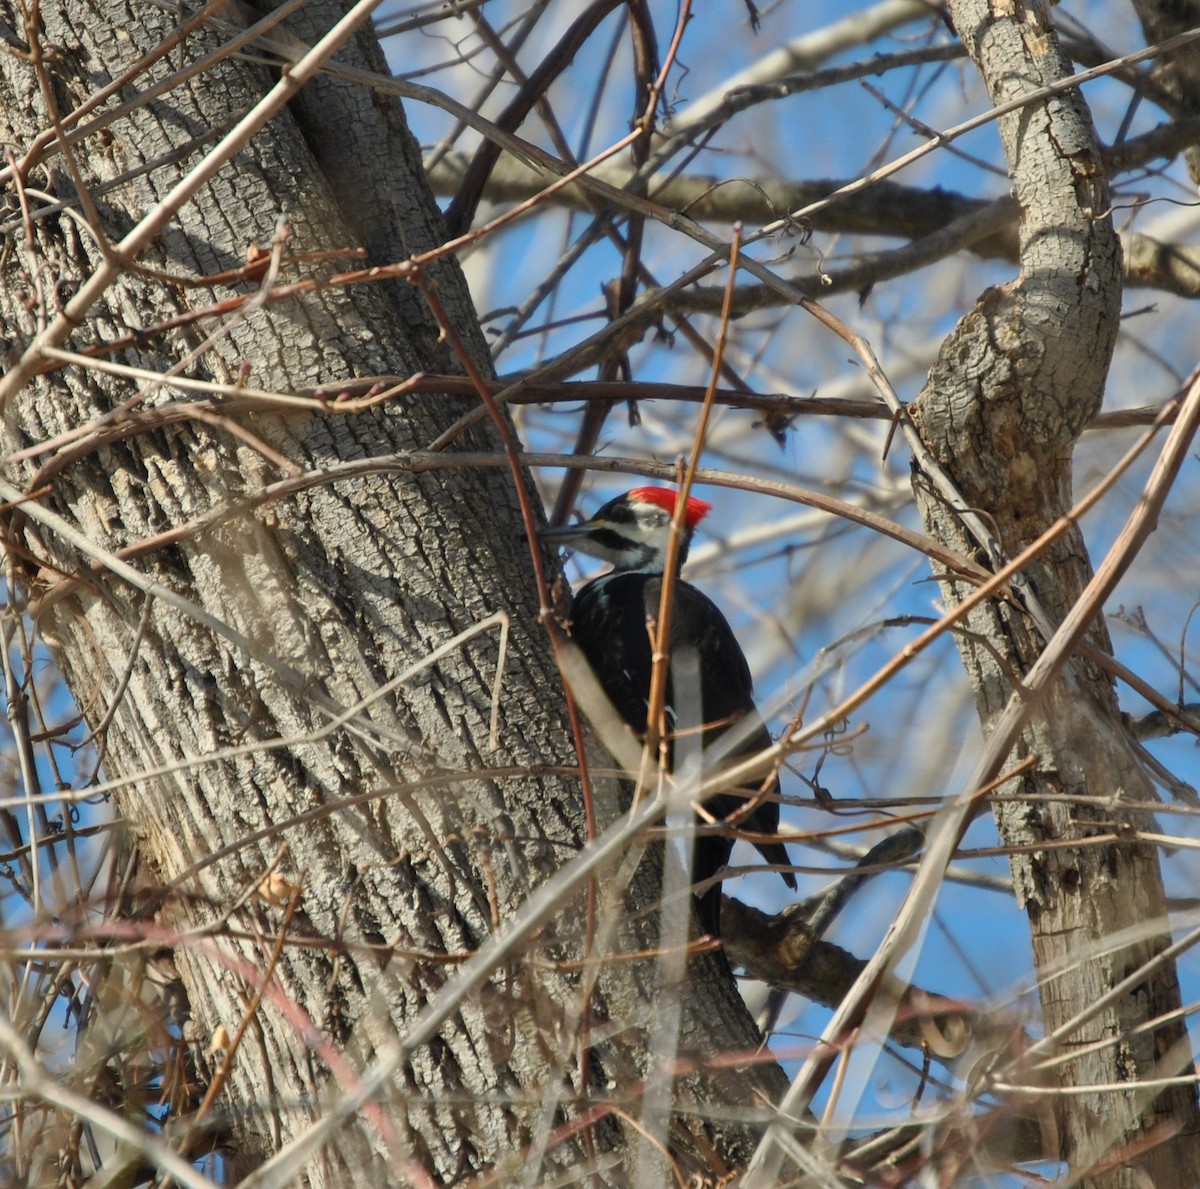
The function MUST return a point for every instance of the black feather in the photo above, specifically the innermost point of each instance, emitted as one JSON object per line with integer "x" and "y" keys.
{"x": 609, "y": 622}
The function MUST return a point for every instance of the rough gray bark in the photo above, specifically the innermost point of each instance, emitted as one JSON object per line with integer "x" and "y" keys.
{"x": 1011, "y": 391}
{"x": 345, "y": 585}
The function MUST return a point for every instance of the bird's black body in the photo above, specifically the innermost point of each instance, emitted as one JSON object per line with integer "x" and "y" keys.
{"x": 609, "y": 620}
{"x": 609, "y": 623}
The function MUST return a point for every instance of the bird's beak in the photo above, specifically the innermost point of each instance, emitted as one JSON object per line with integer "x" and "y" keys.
{"x": 564, "y": 534}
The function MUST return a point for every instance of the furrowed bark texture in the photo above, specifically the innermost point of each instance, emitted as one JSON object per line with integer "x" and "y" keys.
{"x": 1011, "y": 390}
{"x": 346, "y": 585}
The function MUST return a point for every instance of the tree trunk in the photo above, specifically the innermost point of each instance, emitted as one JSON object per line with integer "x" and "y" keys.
{"x": 1013, "y": 387}
{"x": 409, "y": 837}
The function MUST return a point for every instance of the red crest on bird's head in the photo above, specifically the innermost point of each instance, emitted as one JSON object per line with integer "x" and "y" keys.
{"x": 664, "y": 497}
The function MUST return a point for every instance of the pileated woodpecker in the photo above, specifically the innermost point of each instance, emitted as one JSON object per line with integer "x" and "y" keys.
{"x": 610, "y": 620}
